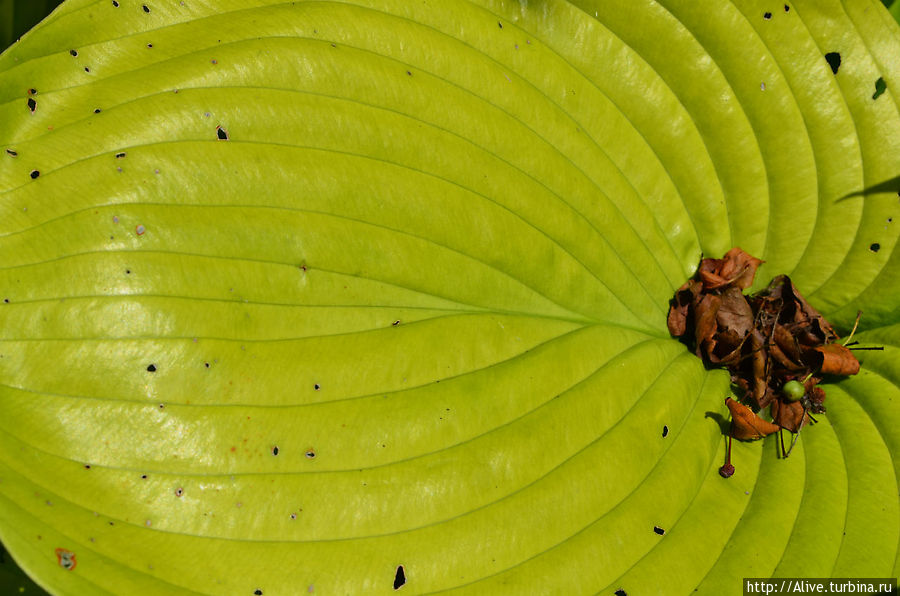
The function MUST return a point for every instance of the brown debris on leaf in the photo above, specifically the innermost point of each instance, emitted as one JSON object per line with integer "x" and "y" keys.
{"x": 834, "y": 359}
{"x": 775, "y": 344}
{"x": 746, "y": 424}
{"x": 736, "y": 268}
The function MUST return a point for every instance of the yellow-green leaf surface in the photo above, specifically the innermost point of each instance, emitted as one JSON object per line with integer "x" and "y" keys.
{"x": 297, "y": 295}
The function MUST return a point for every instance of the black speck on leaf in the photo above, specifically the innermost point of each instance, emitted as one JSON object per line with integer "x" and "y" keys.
{"x": 787, "y": 8}
{"x": 880, "y": 87}
{"x": 120, "y": 155}
{"x": 257, "y": 592}
{"x": 275, "y": 450}
{"x": 767, "y": 16}
{"x": 151, "y": 368}
{"x": 146, "y": 8}
{"x": 34, "y": 174}
{"x": 11, "y": 153}
{"x": 834, "y": 61}
{"x": 665, "y": 430}
{"x": 32, "y": 105}
{"x": 499, "y": 24}
{"x": 73, "y": 52}
{"x": 86, "y": 69}
{"x": 659, "y": 530}
{"x": 96, "y": 110}
{"x": 399, "y": 577}
{"x": 317, "y": 386}
{"x": 874, "y": 247}
{"x": 114, "y": 3}
{"x": 621, "y": 592}
{"x": 221, "y": 133}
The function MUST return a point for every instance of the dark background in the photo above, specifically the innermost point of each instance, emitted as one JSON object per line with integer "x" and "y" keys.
{"x": 18, "y": 16}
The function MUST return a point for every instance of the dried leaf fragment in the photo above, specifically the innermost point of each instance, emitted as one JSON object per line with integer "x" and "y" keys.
{"x": 789, "y": 415}
{"x": 736, "y": 268}
{"x": 835, "y": 359}
{"x": 746, "y": 424}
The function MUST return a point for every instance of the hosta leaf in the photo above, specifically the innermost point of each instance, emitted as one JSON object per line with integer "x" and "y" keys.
{"x": 350, "y": 297}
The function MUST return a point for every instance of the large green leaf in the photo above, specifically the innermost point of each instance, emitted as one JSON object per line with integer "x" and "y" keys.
{"x": 299, "y": 293}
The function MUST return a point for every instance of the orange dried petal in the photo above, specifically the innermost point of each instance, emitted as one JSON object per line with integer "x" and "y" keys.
{"x": 745, "y": 424}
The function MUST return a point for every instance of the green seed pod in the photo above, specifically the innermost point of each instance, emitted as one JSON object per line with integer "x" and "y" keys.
{"x": 793, "y": 390}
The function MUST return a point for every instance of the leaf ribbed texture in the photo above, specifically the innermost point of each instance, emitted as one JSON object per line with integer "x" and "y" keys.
{"x": 297, "y": 293}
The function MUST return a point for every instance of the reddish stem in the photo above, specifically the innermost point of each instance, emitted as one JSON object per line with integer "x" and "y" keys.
{"x": 727, "y": 470}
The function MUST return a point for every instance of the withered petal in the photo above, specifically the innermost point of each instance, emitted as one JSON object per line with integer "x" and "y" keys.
{"x": 739, "y": 267}
{"x": 788, "y": 415}
{"x": 759, "y": 361}
{"x": 745, "y": 424}
{"x": 677, "y": 320}
{"x": 734, "y": 313}
{"x": 834, "y": 359}
{"x": 705, "y": 322}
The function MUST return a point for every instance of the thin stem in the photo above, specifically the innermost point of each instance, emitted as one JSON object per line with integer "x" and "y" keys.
{"x": 855, "y": 325}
